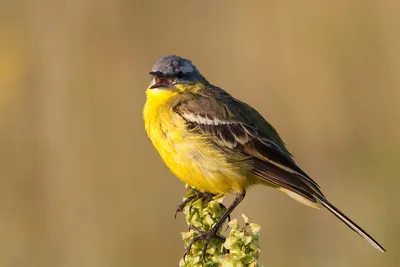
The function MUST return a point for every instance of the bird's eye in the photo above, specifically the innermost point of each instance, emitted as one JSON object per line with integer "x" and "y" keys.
{"x": 179, "y": 75}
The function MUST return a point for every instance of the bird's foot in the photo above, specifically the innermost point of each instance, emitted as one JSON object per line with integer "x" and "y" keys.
{"x": 206, "y": 237}
{"x": 206, "y": 197}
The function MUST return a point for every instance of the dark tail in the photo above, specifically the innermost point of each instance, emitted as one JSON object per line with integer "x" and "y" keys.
{"x": 351, "y": 224}
{"x": 290, "y": 181}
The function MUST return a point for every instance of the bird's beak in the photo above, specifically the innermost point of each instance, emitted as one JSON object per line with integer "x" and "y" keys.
{"x": 159, "y": 80}
{"x": 156, "y": 73}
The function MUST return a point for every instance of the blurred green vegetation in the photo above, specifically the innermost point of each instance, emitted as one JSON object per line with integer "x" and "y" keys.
{"x": 80, "y": 183}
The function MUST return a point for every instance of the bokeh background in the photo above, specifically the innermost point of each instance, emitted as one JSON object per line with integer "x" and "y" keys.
{"x": 80, "y": 183}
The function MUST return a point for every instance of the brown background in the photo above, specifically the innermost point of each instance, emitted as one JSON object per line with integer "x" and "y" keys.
{"x": 80, "y": 183}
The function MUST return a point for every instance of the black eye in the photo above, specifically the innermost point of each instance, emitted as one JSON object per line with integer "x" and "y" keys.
{"x": 179, "y": 75}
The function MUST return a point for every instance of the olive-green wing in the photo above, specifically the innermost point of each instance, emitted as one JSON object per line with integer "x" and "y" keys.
{"x": 233, "y": 124}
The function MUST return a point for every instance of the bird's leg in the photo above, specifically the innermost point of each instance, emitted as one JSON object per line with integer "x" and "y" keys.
{"x": 207, "y": 236}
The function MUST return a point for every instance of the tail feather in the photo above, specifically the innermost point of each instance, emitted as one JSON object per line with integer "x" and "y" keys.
{"x": 352, "y": 225}
{"x": 304, "y": 191}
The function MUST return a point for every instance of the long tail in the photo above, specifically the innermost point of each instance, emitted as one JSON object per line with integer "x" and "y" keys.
{"x": 350, "y": 224}
{"x": 304, "y": 191}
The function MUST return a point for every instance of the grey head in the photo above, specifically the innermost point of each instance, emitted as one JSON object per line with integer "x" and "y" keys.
{"x": 171, "y": 70}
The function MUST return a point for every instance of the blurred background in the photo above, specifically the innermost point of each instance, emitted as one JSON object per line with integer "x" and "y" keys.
{"x": 81, "y": 184}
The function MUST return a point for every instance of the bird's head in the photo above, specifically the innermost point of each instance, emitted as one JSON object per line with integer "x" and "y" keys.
{"x": 174, "y": 74}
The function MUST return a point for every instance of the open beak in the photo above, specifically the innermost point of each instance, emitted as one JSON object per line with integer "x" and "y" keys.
{"x": 159, "y": 80}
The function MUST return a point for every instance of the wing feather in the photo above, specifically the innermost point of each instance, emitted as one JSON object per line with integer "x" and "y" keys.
{"x": 236, "y": 129}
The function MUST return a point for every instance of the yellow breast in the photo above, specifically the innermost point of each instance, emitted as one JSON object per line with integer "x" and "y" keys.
{"x": 190, "y": 156}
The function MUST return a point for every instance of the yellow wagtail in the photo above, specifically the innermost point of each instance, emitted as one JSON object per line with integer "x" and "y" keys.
{"x": 218, "y": 144}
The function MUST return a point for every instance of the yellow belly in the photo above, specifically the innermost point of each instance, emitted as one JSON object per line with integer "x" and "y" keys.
{"x": 191, "y": 157}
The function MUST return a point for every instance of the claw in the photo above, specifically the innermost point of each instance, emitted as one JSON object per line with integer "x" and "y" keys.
{"x": 184, "y": 203}
{"x": 207, "y": 237}
{"x": 189, "y": 247}
{"x": 206, "y": 197}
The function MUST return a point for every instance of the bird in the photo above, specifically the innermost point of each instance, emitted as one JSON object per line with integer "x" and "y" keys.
{"x": 220, "y": 145}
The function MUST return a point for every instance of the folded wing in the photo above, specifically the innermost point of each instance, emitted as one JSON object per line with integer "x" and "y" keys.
{"x": 232, "y": 124}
